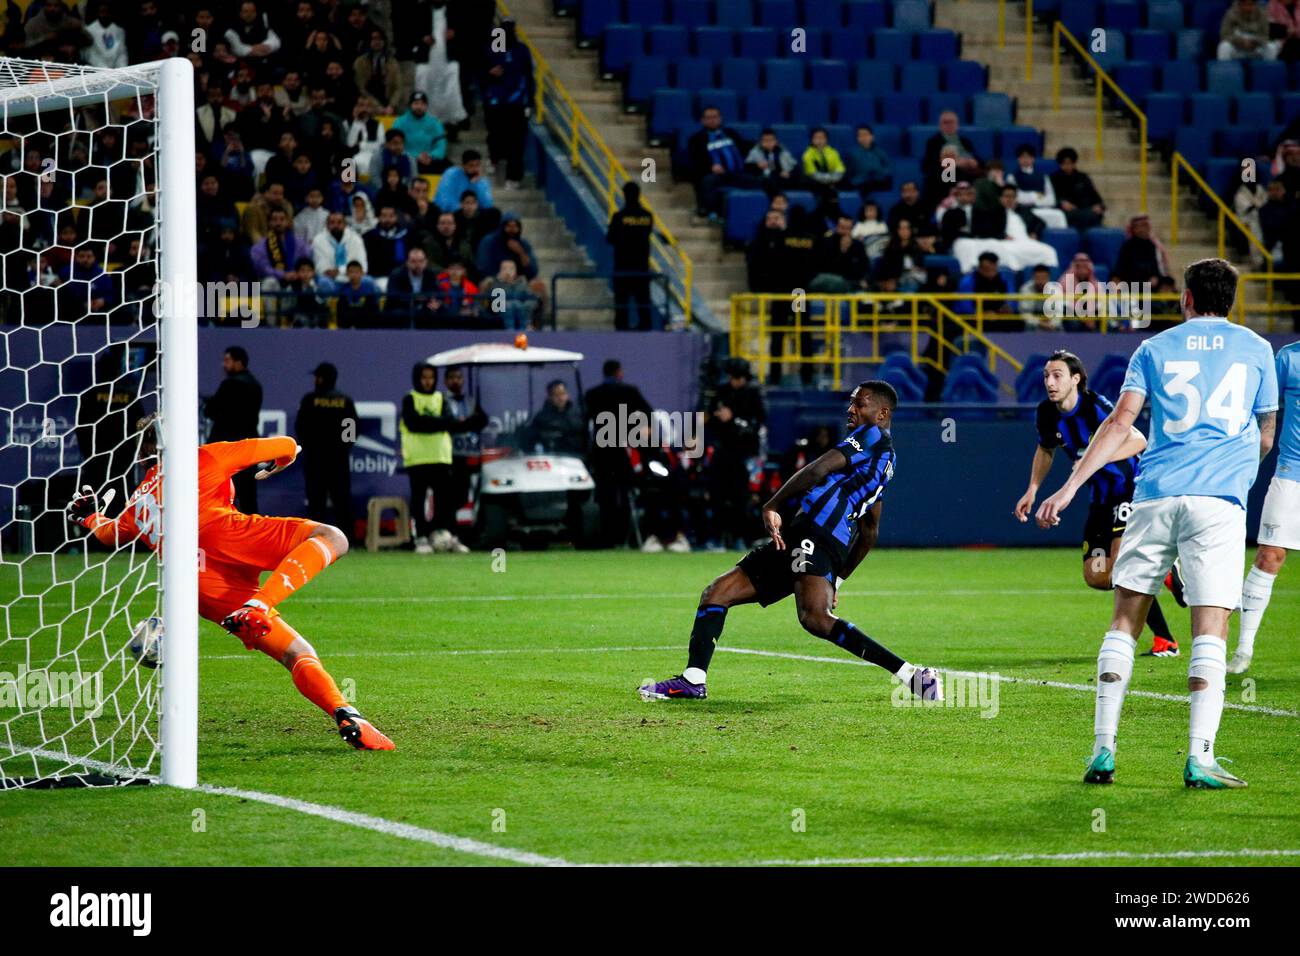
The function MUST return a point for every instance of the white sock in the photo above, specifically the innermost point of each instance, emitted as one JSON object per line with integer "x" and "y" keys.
{"x": 905, "y": 672}
{"x": 694, "y": 675}
{"x": 1209, "y": 662}
{"x": 1254, "y": 600}
{"x": 1115, "y": 657}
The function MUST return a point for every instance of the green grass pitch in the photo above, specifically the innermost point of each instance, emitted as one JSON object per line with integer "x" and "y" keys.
{"x": 511, "y": 696}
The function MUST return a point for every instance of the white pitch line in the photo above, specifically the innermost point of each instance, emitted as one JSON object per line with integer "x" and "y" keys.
{"x": 471, "y": 652}
{"x": 491, "y": 598}
{"x": 1032, "y": 857}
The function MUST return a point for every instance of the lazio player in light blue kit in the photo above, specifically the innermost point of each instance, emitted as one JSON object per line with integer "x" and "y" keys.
{"x": 1213, "y": 392}
{"x": 1279, "y": 525}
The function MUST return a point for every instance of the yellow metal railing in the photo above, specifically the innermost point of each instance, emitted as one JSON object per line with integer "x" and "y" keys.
{"x": 1029, "y": 34}
{"x": 600, "y": 168}
{"x": 1103, "y": 82}
{"x": 1179, "y": 164}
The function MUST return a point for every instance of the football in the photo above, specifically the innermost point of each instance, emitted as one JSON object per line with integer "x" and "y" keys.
{"x": 146, "y": 641}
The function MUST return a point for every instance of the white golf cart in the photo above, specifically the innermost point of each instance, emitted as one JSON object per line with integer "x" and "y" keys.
{"x": 523, "y": 494}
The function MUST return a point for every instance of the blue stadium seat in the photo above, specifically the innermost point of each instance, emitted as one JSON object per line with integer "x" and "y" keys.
{"x": 757, "y": 43}
{"x": 747, "y": 131}
{"x": 764, "y": 107}
{"x": 646, "y": 13}
{"x": 1207, "y": 111}
{"x": 715, "y": 43}
{"x": 646, "y": 74}
{"x": 892, "y": 46}
{"x": 669, "y": 40}
{"x": 1080, "y": 18}
{"x": 620, "y": 45}
{"x": 1288, "y": 107}
{"x": 812, "y": 107}
{"x": 1102, "y": 244}
{"x": 919, "y": 77}
{"x": 911, "y": 15}
{"x": 802, "y": 198}
{"x": 918, "y": 134}
{"x": 901, "y": 360}
{"x": 814, "y": 45}
{"x": 727, "y": 102}
{"x": 907, "y": 169}
{"x": 795, "y": 138}
{"x": 778, "y": 13}
{"x": 1237, "y": 141}
{"x": 1188, "y": 43}
{"x": 900, "y": 109}
{"x": 1165, "y": 15}
{"x": 739, "y": 74}
{"x": 1255, "y": 109}
{"x": 939, "y": 46}
{"x": 993, "y": 109}
{"x": 1064, "y": 241}
{"x": 745, "y": 209}
{"x": 825, "y": 14}
{"x": 734, "y": 13}
{"x": 1194, "y": 145}
{"x": 1011, "y": 138}
{"x": 904, "y": 384}
{"x": 848, "y": 45}
{"x": 595, "y": 16}
{"x": 1108, "y": 377}
{"x": 829, "y": 76}
{"x": 983, "y": 139}
{"x": 693, "y": 73}
{"x": 1227, "y": 77}
{"x": 936, "y": 104}
{"x": 1207, "y": 14}
{"x": 875, "y": 78}
{"x": 890, "y": 139}
{"x": 866, "y": 14}
{"x": 1029, "y": 380}
{"x": 949, "y": 264}
{"x": 965, "y": 76}
{"x": 669, "y": 111}
{"x": 692, "y": 13}
{"x": 783, "y": 75}
{"x": 1149, "y": 46}
{"x": 1121, "y": 15}
{"x": 1181, "y": 76}
{"x": 1164, "y": 116}
{"x": 1136, "y": 79}
{"x": 855, "y": 109}
{"x": 966, "y": 386}
{"x": 1266, "y": 76}
{"x": 1116, "y": 51}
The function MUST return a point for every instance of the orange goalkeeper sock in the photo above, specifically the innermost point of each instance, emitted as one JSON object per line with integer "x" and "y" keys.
{"x": 314, "y": 682}
{"x": 298, "y": 567}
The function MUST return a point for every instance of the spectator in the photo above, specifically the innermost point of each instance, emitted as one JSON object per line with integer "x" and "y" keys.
{"x": 393, "y": 192}
{"x": 85, "y": 286}
{"x": 227, "y": 257}
{"x": 1276, "y": 216}
{"x": 308, "y": 297}
{"x": 377, "y": 75}
{"x": 1075, "y": 193}
{"x": 392, "y": 156}
{"x": 252, "y": 35}
{"x": 213, "y": 204}
{"x": 473, "y": 222}
{"x": 212, "y": 119}
{"x": 358, "y": 302}
{"x": 466, "y": 443}
{"x": 421, "y": 213}
{"x": 310, "y": 125}
{"x": 356, "y": 30}
{"x": 1034, "y": 190}
{"x": 1034, "y": 311}
{"x": 412, "y": 38}
{"x": 1246, "y": 203}
{"x": 1289, "y": 173}
{"x": 361, "y": 213}
{"x": 336, "y": 246}
{"x": 842, "y": 262}
{"x": 425, "y": 136}
{"x": 988, "y": 188}
{"x": 322, "y": 47}
{"x": 387, "y": 244}
{"x": 275, "y": 258}
{"x": 1244, "y": 33}
{"x": 257, "y": 213}
{"x": 508, "y": 295}
{"x": 468, "y": 175}
{"x": 295, "y": 33}
{"x": 901, "y": 266}
{"x": 310, "y": 220}
{"x": 439, "y": 74}
{"x": 959, "y": 221}
{"x": 910, "y": 207}
{"x": 611, "y": 468}
{"x": 821, "y": 162}
{"x": 426, "y": 455}
{"x": 1142, "y": 257}
{"x": 868, "y": 168}
{"x": 279, "y": 165}
{"x": 455, "y": 296}
{"x": 778, "y": 262}
{"x": 630, "y": 231}
{"x": 292, "y": 96}
{"x": 235, "y": 163}
{"x": 871, "y": 229}
{"x": 733, "y": 435}
{"x": 1002, "y": 230}
{"x": 1166, "y": 311}
{"x": 986, "y": 279}
{"x": 716, "y": 154}
{"x": 409, "y": 294}
{"x": 558, "y": 426}
{"x": 771, "y": 163}
{"x": 508, "y": 95}
{"x": 363, "y": 135}
{"x": 326, "y": 428}
{"x": 1284, "y": 26}
{"x": 1078, "y": 283}
{"x": 508, "y": 242}
{"x": 966, "y": 164}
{"x": 234, "y": 412}
{"x": 446, "y": 243}
{"x": 56, "y": 32}
{"x": 107, "y": 49}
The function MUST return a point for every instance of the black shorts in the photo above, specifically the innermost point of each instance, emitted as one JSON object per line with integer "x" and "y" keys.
{"x": 1106, "y": 522}
{"x": 773, "y": 571}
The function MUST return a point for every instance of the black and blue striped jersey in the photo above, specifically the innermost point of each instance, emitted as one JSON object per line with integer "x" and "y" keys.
{"x": 1073, "y": 430}
{"x": 845, "y": 495}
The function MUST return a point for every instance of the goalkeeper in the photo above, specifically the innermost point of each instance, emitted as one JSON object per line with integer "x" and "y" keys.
{"x": 234, "y": 549}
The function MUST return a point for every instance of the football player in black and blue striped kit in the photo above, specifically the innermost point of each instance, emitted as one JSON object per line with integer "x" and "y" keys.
{"x": 1067, "y": 419}
{"x": 836, "y": 503}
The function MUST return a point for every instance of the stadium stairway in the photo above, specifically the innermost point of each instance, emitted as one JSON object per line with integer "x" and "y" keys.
{"x": 1075, "y": 125}
{"x": 718, "y": 272}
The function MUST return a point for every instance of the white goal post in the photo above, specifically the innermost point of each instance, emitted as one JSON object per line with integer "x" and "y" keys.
{"x": 137, "y": 123}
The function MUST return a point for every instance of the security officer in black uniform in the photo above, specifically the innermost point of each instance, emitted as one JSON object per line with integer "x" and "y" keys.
{"x": 629, "y": 233}
{"x": 326, "y": 427}
{"x": 235, "y": 411}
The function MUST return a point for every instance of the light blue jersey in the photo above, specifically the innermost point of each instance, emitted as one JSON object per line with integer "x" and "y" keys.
{"x": 1207, "y": 379}
{"x": 1288, "y": 439}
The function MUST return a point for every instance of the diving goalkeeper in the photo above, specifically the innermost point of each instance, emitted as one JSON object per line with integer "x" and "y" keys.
{"x": 235, "y": 548}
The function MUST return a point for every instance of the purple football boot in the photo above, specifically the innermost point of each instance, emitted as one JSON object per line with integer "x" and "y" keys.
{"x": 675, "y": 688}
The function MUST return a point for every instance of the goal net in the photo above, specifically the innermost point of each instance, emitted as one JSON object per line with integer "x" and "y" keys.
{"x": 97, "y": 367}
